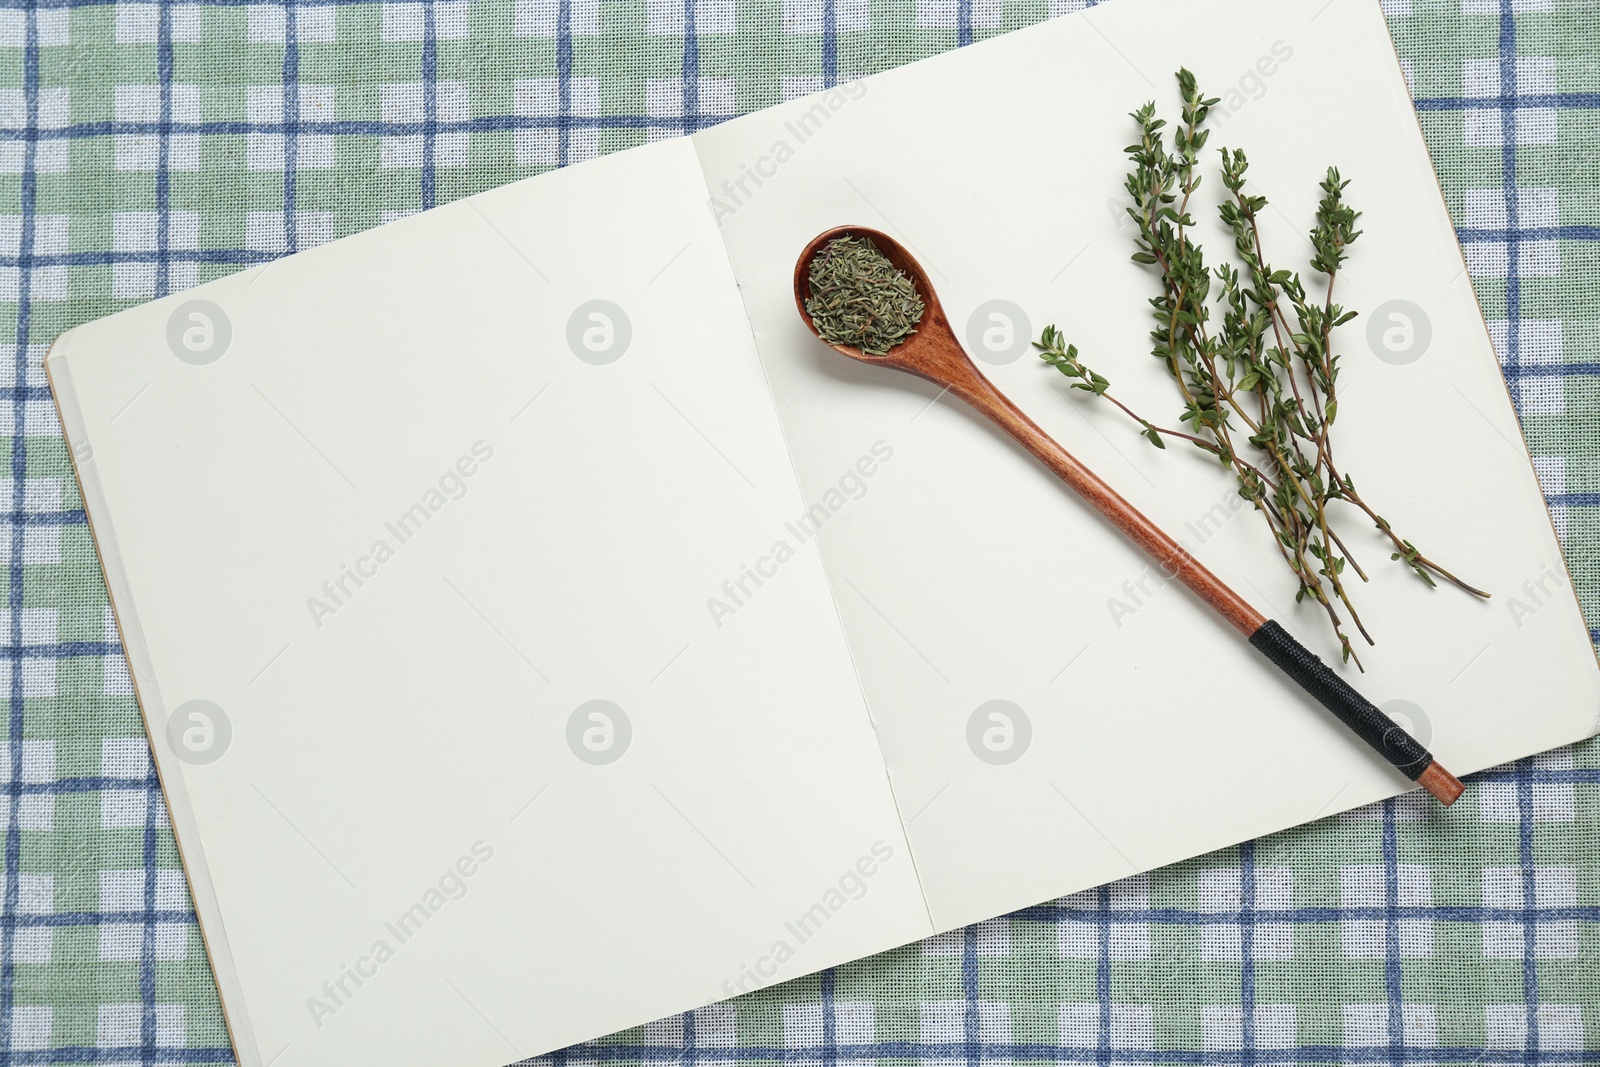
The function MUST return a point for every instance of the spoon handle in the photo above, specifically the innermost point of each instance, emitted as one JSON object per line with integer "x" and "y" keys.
{"x": 1387, "y": 737}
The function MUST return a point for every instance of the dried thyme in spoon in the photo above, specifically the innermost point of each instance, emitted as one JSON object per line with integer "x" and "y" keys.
{"x": 859, "y": 299}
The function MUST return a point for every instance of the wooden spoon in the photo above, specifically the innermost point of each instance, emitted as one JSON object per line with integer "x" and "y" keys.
{"x": 934, "y": 353}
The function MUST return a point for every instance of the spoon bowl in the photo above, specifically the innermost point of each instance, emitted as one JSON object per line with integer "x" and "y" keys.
{"x": 932, "y": 352}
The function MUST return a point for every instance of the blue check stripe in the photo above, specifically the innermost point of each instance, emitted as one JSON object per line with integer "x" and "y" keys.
{"x": 70, "y": 517}
{"x": 1510, "y": 101}
{"x": 16, "y": 727}
{"x": 290, "y": 126}
{"x": 141, "y": 1054}
{"x": 1512, "y": 356}
{"x": 1000, "y": 1051}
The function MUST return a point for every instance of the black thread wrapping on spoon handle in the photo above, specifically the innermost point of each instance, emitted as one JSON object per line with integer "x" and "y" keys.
{"x": 1387, "y": 737}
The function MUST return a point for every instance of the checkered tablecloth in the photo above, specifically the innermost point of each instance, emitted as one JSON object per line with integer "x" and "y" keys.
{"x": 147, "y": 146}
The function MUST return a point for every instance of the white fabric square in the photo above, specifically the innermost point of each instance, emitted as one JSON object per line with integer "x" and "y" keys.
{"x": 124, "y": 942}
{"x": 1363, "y": 886}
{"x": 265, "y": 230}
{"x": 1132, "y": 1026}
{"x": 1539, "y": 258}
{"x": 1538, "y": 341}
{"x": 408, "y": 21}
{"x": 36, "y": 626}
{"x": 54, "y": 108}
{"x": 32, "y": 944}
{"x": 51, "y": 24}
{"x": 794, "y": 86}
{"x": 1555, "y": 940}
{"x": 35, "y": 811}
{"x": 124, "y": 757}
{"x": 450, "y": 20}
{"x": 1541, "y": 396}
{"x": 1221, "y": 889}
{"x": 38, "y": 494}
{"x": 120, "y": 1026}
{"x": 1553, "y": 887}
{"x": 1483, "y": 209}
{"x": 38, "y": 760}
{"x": 943, "y": 14}
{"x": 142, "y": 104}
{"x": 123, "y": 890}
{"x": 1484, "y": 128}
{"x": 541, "y": 18}
{"x": 402, "y": 22}
{"x": 663, "y": 98}
{"x": 140, "y": 23}
{"x": 668, "y": 1031}
{"x": 1080, "y": 939}
{"x": 945, "y": 1021}
{"x": 264, "y": 105}
{"x": 1505, "y": 1026}
{"x": 138, "y": 231}
{"x": 1557, "y": 759}
{"x": 1222, "y": 1026}
{"x": 1366, "y": 939}
{"x": 36, "y": 894}
{"x": 264, "y": 23}
{"x": 44, "y": 284}
{"x": 42, "y": 544}
{"x": 1480, "y": 76}
{"x": 1538, "y": 208}
{"x": 853, "y": 1023}
{"x": 403, "y": 102}
{"x": 123, "y": 809}
{"x": 1552, "y": 472}
{"x": 31, "y": 1025}
{"x": 992, "y": 938}
{"x": 1486, "y": 259}
{"x": 1268, "y": 941}
{"x": 805, "y": 16}
{"x": 49, "y": 234}
{"x": 540, "y": 97}
{"x": 1366, "y": 1025}
{"x": 716, "y": 1026}
{"x": 316, "y": 24}
{"x": 115, "y": 679}
{"x": 54, "y": 112}
{"x": 665, "y": 17}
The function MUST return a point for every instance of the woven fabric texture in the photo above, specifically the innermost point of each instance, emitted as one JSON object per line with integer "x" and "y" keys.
{"x": 148, "y": 146}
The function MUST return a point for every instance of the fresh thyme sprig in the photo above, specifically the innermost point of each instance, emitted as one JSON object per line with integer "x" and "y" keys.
{"x": 1260, "y": 388}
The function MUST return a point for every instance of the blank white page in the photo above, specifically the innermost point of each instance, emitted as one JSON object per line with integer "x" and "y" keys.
{"x": 967, "y": 574}
{"x": 399, "y": 771}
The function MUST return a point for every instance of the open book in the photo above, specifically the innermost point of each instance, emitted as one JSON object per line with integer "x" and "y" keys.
{"x": 540, "y": 632}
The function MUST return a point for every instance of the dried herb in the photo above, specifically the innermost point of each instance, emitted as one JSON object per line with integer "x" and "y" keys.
{"x": 860, "y": 299}
{"x": 1260, "y": 388}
